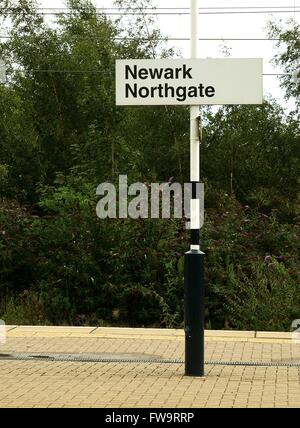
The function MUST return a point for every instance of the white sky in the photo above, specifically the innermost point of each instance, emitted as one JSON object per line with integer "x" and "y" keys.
{"x": 222, "y": 26}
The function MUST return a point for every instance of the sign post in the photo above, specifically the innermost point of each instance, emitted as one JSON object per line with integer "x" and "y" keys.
{"x": 192, "y": 82}
{"x": 194, "y": 259}
{"x": 2, "y": 71}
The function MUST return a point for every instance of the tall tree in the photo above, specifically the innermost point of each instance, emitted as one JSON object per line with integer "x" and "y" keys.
{"x": 288, "y": 56}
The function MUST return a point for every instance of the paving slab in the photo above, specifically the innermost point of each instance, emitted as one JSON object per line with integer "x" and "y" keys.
{"x": 274, "y": 335}
{"x": 116, "y": 384}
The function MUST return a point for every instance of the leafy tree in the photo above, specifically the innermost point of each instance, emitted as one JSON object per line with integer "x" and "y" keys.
{"x": 254, "y": 153}
{"x": 288, "y": 55}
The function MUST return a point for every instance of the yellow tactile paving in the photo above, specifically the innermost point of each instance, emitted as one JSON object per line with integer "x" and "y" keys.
{"x": 116, "y": 384}
{"x": 274, "y": 335}
{"x": 142, "y": 333}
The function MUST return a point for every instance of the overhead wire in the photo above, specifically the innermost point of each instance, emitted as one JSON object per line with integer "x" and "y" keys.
{"x": 179, "y": 38}
{"x": 233, "y": 10}
{"x": 220, "y": 11}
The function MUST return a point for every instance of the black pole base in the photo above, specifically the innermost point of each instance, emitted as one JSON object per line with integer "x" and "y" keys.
{"x": 194, "y": 312}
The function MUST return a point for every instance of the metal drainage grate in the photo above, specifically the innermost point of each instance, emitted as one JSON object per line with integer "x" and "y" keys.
{"x": 42, "y": 357}
{"x": 91, "y": 358}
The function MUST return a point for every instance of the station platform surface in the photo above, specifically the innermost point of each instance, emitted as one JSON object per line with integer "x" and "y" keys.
{"x": 111, "y": 367}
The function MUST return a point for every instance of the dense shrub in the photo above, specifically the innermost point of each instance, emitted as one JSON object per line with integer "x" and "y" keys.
{"x": 63, "y": 265}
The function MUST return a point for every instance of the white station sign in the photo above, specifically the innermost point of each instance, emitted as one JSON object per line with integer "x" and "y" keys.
{"x": 189, "y": 81}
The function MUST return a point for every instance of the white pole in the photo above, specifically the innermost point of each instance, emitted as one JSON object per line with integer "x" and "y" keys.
{"x": 2, "y": 71}
{"x": 194, "y": 28}
{"x": 194, "y": 129}
{"x": 194, "y": 259}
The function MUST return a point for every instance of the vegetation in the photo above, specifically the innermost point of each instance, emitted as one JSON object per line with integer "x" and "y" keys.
{"x": 61, "y": 135}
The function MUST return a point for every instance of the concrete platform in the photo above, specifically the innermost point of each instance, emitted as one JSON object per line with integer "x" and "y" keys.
{"x": 116, "y": 384}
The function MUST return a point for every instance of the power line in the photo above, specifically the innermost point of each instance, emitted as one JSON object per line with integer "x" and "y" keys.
{"x": 176, "y": 13}
{"x": 182, "y": 13}
{"x": 109, "y": 74}
{"x": 170, "y": 8}
{"x": 172, "y": 38}
{"x": 276, "y": 74}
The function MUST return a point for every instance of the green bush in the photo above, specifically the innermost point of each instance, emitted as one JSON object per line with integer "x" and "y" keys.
{"x": 266, "y": 298}
{"x": 76, "y": 269}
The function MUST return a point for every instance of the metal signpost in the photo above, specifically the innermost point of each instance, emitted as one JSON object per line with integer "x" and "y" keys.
{"x": 191, "y": 82}
{"x": 194, "y": 259}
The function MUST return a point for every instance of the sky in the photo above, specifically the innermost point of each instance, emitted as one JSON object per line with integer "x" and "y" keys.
{"x": 223, "y": 26}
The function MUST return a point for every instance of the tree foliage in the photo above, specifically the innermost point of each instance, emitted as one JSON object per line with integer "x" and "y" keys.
{"x": 288, "y": 56}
